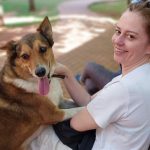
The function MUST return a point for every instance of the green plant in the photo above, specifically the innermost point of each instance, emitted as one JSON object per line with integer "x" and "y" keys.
{"x": 20, "y": 8}
{"x": 113, "y": 9}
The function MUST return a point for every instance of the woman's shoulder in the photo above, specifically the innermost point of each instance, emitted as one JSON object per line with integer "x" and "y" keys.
{"x": 114, "y": 90}
{"x": 137, "y": 78}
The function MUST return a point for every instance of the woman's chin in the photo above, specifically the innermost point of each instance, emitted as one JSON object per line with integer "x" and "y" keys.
{"x": 117, "y": 59}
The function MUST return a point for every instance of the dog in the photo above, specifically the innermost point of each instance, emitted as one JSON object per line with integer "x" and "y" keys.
{"x": 30, "y": 93}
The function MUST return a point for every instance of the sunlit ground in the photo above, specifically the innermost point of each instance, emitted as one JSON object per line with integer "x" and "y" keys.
{"x": 24, "y": 19}
{"x": 76, "y": 30}
{"x": 69, "y": 33}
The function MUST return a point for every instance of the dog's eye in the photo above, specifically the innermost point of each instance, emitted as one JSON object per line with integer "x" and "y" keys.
{"x": 43, "y": 49}
{"x": 25, "y": 56}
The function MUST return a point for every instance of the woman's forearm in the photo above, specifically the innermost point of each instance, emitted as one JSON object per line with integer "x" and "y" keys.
{"x": 76, "y": 91}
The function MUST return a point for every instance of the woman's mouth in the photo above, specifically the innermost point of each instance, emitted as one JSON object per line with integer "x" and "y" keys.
{"x": 119, "y": 51}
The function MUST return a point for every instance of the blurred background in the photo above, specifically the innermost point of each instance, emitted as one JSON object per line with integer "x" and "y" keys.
{"x": 82, "y": 29}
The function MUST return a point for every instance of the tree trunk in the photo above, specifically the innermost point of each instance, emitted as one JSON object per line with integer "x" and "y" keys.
{"x": 1, "y": 16}
{"x": 128, "y": 2}
{"x": 32, "y": 5}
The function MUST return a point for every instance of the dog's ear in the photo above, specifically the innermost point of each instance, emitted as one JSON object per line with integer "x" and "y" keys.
{"x": 45, "y": 29}
{"x": 9, "y": 46}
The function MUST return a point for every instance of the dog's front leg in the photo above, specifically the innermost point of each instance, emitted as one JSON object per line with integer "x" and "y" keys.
{"x": 50, "y": 113}
{"x": 69, "y": 113}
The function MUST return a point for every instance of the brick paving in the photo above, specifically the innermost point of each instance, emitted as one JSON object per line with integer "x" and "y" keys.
{"x": 99, "y": 48}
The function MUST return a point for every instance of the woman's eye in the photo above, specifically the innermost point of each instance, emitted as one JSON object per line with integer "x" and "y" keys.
{"x": 130, "y": 36}
{"x": 25, "y": 56}
{"x": 117, "y": 31}
{"x": 43, "y": 49}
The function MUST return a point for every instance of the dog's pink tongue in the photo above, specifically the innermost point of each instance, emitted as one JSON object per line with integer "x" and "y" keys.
{"x": 44, "y": 86}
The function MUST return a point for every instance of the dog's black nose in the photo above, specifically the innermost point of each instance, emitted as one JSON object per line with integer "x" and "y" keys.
{"x": 40, "y": 72}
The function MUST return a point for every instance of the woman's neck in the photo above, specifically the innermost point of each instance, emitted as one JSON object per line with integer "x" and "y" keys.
{"x": 129, "y": 68}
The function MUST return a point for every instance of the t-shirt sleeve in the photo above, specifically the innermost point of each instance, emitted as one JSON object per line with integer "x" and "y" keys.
{"x": 109, "y": 105}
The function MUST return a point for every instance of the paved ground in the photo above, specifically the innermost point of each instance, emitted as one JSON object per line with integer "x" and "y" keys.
{"x": 80, "y": 36}
{"x": 74, "y": 7}
{"x": 87, "y": 34}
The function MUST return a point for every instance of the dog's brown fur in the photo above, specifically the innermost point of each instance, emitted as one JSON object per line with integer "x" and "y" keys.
{"x": 22, "y": 111}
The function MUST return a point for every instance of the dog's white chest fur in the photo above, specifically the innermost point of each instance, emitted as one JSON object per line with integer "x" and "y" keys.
{"x": 55, "y": 94}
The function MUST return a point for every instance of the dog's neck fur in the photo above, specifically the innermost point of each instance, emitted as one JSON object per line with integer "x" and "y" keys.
{"x": 29, "y": 86}
{"x": 11, "y": 78}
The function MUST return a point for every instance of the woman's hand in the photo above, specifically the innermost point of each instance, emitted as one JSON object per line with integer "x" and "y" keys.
{"x": 61, "y": 69}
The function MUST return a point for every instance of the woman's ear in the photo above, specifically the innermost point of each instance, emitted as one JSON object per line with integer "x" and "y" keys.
{"x": 148, "y": 49}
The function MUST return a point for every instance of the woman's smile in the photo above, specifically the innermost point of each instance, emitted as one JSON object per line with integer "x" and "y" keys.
{"x": 119, "y": 51}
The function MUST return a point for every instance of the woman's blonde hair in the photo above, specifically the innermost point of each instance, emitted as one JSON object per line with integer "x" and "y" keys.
{"x": 143, "y": 8}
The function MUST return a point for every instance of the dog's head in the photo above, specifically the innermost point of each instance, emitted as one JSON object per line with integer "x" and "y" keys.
{"x": 32, "y": 55}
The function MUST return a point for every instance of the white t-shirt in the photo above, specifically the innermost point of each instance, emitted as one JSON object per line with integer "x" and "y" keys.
{"x": 122, "y": 111}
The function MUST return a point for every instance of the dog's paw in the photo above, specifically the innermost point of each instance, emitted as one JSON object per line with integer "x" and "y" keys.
{"x": 67, "y": 104}
{"x": 69, "y": 113}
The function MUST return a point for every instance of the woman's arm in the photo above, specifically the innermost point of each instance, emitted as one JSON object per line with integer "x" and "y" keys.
{"x": 76, "y": 91}
{"x": 83, "y": 121}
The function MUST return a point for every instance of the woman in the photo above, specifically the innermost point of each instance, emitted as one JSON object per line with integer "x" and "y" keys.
{"x": 120, "y": 111}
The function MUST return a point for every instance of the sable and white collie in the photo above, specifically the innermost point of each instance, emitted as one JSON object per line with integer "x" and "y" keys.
{"x": 29, "y": 95}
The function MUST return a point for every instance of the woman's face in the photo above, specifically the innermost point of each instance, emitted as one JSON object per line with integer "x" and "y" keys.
{"x": 130, "y": 41}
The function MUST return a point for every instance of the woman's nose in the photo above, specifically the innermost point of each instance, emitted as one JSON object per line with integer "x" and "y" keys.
{"x": 119, "y": 40}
